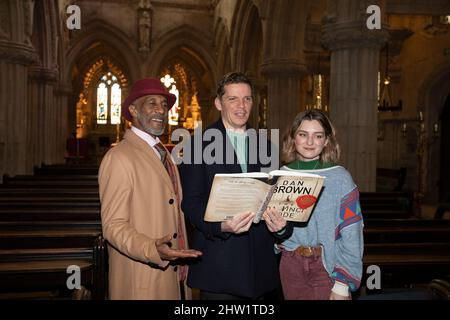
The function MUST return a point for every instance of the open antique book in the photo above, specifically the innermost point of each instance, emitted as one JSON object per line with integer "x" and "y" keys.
{"x": 291, "y": 193}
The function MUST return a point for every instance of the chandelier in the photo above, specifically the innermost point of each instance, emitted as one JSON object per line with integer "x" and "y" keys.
{"x": 385, "y": 102}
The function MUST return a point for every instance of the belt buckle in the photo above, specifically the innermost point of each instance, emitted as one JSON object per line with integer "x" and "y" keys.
{"x": 305, "y": 251}
{"x": 308, "y": 251}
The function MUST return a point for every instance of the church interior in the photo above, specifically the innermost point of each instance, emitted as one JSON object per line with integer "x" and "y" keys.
{"x": 382, "y": 76}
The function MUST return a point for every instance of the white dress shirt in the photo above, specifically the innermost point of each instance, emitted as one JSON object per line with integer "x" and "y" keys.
{"x": 147, "y": 138}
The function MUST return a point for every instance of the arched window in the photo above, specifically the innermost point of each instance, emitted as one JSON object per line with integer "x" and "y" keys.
{"x": 170, "y": 82}
{"x": 109, "y": 99}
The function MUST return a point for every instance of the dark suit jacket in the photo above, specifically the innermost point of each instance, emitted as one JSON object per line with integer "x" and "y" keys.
{"x": 244, "y": 264}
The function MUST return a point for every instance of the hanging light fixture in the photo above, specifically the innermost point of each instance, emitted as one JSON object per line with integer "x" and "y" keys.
{"x": 385, "y": 102}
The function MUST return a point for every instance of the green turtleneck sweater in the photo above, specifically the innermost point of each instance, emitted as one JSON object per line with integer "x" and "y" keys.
{"x": 309, "y": 165}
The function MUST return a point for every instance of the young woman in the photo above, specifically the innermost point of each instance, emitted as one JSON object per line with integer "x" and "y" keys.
{"x": 322, "y": 260}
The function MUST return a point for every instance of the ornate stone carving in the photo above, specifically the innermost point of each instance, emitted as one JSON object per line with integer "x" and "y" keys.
{"x": 338, "y": 36}
{"x": 273, "y": 67}
{"x": 17, "y": 53}
{"x": 344, "y": 26}
{"x": 145, "y": 29}
{"x": 43, "y": 75}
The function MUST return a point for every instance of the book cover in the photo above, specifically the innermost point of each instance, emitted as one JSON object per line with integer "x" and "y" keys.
{"x": 293, "y": 194}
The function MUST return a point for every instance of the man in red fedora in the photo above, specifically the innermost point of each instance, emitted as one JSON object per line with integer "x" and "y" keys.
{"x": 140, "y": 196}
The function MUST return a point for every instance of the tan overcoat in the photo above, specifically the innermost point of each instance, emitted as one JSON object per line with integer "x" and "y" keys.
{"x": 138, "y": 206}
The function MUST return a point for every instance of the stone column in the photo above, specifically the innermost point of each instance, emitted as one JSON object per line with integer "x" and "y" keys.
{"x": 353, "y": 86}
{"x": 63, "y": 91}
{"x": 43, "y": 133}
{"x": 284, "y": 65}
{"x": 16, "y": 54}
{"x": 284, "y": 94}
{"x": 14, "y": 60}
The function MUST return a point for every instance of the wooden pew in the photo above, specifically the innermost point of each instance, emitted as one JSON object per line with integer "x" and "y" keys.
{"x": 23, "y": 235}
{"x": 394, "y": 205}
{"x": 405, "y": 222}
{"x": 68, "y": 191}
{"x": 35, "y": 256}
{"x": 48, "y": 183}
{"x": 59, "y": 209}
{"x": 48, "y": 222}
{"x": 408, "y": 264}
{"x": 387, "y": 205}
{"x": 50, "y": 213}
{"x": 67, "y": 169}
{"x": 46, "y": 269}
{"x": 406, "y": 234}
{"x": 408, "y": 251}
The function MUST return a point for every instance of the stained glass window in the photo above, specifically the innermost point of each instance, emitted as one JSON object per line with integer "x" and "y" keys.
{"x": 109, "y": 95}
{"x": 169, "y": 82}
{"x": 102, "y": 103}
{"x": 115, "y": 103}
{"x": 173, "y": 112}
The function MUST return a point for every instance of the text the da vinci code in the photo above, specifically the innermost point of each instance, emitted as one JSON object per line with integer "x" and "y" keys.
{"x": 292, "y": 187}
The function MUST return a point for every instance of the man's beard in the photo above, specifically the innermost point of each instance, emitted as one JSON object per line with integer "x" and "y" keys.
{"x": 142, "y": 119}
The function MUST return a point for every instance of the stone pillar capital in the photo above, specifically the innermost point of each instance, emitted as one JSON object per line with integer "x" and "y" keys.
{"x": 63, "y": 89}
{"x": 43, "y": 75}
{"x": 283, "y": 66}
{"x": 17, "y": 53}
{"x": 354, "y": 34}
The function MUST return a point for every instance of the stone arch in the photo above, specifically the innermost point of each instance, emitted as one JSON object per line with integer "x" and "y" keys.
{"x": 432, "y": 95}
{"x": 193, "y": 48}
{"x": 183, "y": 36}
{"x": 103, "y": 32}
{"x": 98, "y": 40}
{"x": 222, "y": 44}
{"x": 247, "y": 38}
{"x": 45, "y": 32}
{"x": 434, "y": 89}
{"x": 247, "y": 55}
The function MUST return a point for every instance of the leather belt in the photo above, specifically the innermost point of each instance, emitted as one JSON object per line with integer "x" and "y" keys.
{"x": 308, "y": 251}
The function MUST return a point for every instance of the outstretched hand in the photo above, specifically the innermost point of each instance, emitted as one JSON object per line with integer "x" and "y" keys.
{"x": 274, "y": 221}
{"x": 163, "y": 246}
{"x": 239, "y": 224}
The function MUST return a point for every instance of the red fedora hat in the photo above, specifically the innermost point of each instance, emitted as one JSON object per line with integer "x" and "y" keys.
{"x": 144, "y": 87}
